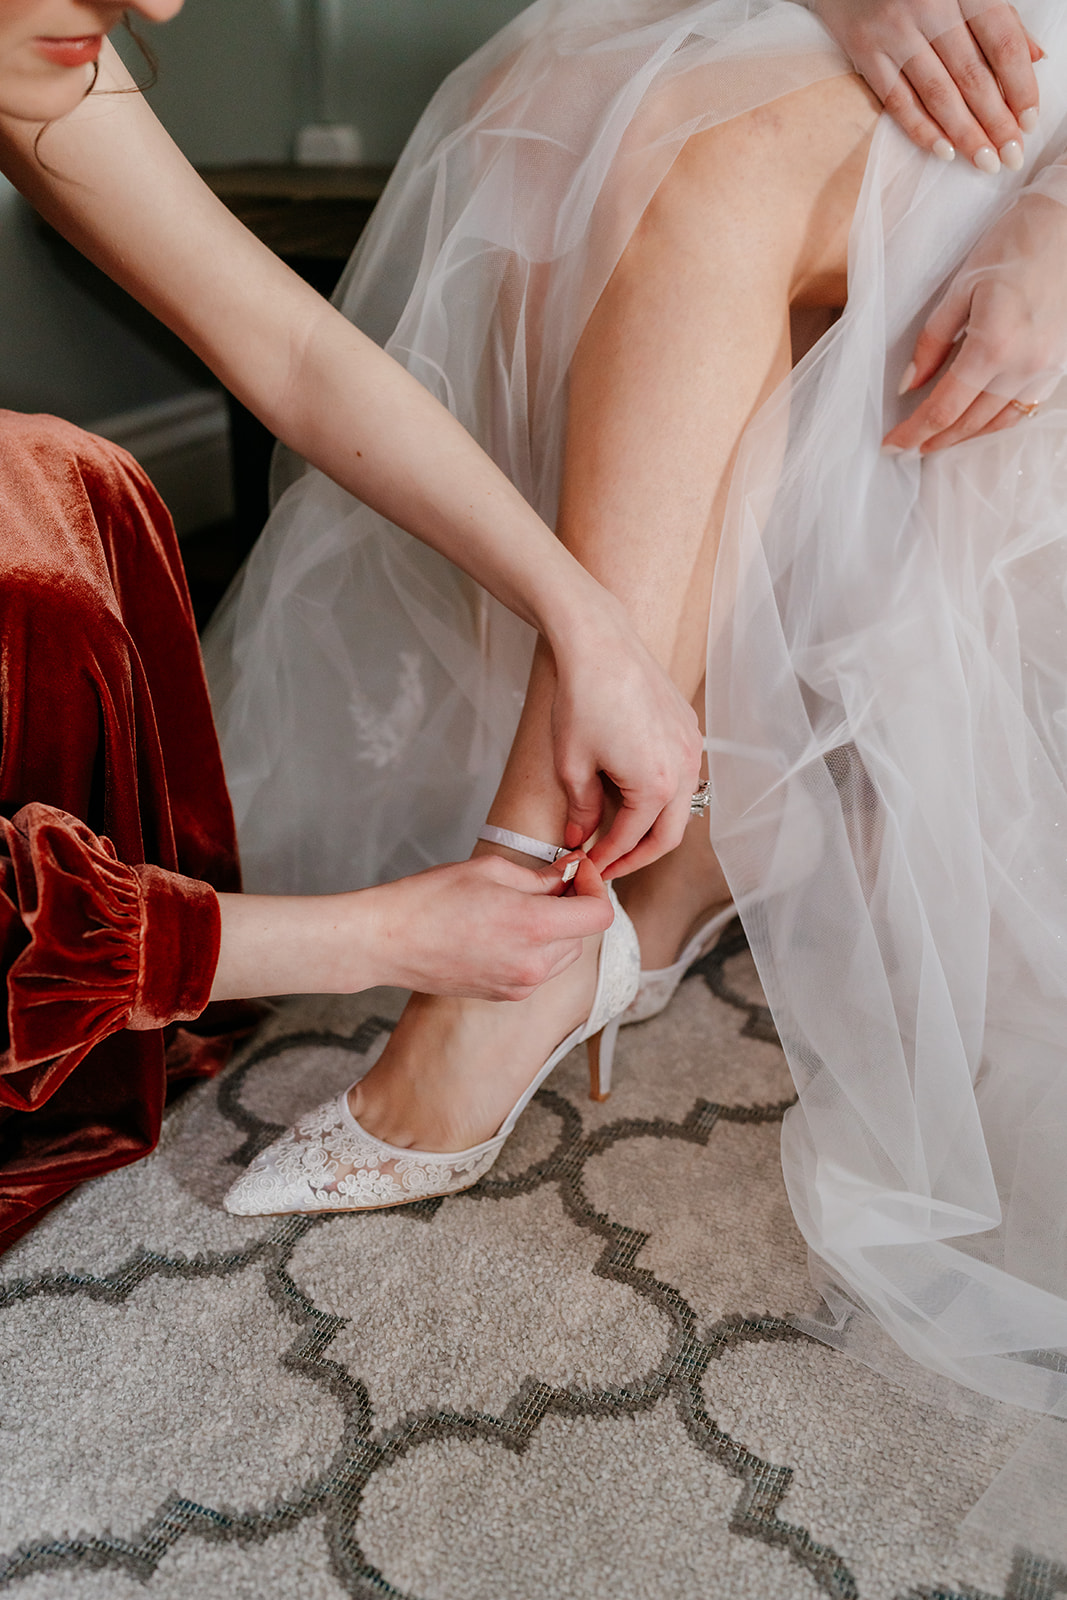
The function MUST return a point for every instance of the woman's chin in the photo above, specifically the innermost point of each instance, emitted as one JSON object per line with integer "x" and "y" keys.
{"x": 33, "y": 98}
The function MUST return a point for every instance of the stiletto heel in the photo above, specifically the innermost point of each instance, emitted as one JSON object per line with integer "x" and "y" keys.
{"x": 601, "y": 1052}
{"x": 327, "y": 1162}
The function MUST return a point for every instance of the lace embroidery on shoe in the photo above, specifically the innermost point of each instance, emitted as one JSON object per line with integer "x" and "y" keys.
{"x": 326, "y": 1162}
{"x": 620, "y": 972}
{"x": 654, "y": 995}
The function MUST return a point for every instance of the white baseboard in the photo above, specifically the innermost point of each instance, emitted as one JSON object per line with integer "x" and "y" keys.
{"x": 184, "y": 446}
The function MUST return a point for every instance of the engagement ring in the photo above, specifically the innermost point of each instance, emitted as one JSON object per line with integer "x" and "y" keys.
{"x": 700, "y": 801}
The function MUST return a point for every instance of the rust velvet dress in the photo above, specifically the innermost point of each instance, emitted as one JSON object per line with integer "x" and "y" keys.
{"x": 115, "y": 825}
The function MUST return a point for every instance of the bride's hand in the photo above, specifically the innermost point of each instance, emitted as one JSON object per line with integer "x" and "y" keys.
{"x": 616, "y": 713}
{"x": 1008, "y": 307}
{"x": 955, "y": 74}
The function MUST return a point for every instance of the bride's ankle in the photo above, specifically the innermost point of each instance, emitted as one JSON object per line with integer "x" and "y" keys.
{"x": 526, "y": 850}
{"x": 388, "y": 1102}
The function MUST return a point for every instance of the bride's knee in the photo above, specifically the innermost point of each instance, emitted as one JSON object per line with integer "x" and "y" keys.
{"x": 780, "y": 181}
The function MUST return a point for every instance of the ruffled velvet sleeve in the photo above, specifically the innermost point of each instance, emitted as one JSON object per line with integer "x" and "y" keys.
{"x": 90, "y": 945}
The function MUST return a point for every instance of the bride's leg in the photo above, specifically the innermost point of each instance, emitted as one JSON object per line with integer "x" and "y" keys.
{"x": 689, "y": 338}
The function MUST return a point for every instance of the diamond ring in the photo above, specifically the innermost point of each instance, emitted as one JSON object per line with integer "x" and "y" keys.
{"x": 701, "y": 800}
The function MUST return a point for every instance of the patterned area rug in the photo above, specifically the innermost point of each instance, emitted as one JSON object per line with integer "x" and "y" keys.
{"x": 576, "y": 1382}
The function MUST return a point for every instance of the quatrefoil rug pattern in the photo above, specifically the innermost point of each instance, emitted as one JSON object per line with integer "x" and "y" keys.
{"x": 578, "y": 1381}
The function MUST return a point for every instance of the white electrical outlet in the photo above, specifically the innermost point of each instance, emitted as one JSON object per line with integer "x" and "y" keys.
{"x": 329, "y": 144}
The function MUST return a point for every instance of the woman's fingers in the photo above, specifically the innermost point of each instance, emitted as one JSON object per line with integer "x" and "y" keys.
{"x": 576, "y": 879}
{"x": 585, "y": 807}
{"x": 1009, "y": 416}
{"x": 1011, "y": 54}
{"x": 486, "y": 927}
{"x": 942, "y": 409}
{"x": 586, "y": 882}
{"x": 944, "y": 326}
{"x": 934, "y": 344}
{"x": 629, "y": 845}
{"x": 572, "y": 876}
{"x": 619, "y": 722}
{"x": 954, "y": 84}
{"x": 980, "y": 93}
{"x": 955, "y": 74}
{"x": 1007, "y": 303}
{"x": 983, "y": 410}
{"x": 906, "y": 108}
{"x": 953, "y": 411}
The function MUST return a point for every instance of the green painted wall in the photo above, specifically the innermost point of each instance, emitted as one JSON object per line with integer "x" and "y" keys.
{"x": 69, "y": 342}
{"x": 231, "y": 88}
{"x": 226, "y": 79}
{"x": 390, "y": 56}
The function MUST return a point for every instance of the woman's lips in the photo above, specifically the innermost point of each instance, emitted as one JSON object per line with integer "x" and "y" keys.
{"x": 70, "y": 52}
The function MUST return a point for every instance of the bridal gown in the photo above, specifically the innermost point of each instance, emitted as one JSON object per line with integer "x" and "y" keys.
{"x": 886, "y": 680}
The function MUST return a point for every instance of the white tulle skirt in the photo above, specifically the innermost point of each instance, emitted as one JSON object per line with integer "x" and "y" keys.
{"x": 887, "y": 666}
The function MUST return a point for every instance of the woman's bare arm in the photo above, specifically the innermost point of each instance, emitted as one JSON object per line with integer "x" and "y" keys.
{"x": 117, "y": 186}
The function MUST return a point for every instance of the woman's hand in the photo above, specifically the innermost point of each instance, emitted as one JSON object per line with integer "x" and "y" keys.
{"x": 618, "y": 716}
{"x": 487, "y": 928}
{"x": 1008, "y": 305}
{"x": 956, "y": 74}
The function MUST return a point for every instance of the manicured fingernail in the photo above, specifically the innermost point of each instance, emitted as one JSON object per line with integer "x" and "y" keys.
{"x": 1028, "y": 119}
{"x": 892, "y": 449}
{"x": 986, "y": 160}
{"x": 944, "y": 151}
{"x": 1011, "y": 154}
{"x": 908, "y": 379}
{"x": 570, "y": 871}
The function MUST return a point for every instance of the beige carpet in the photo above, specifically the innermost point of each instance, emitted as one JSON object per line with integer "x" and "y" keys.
{"x": 576, "y": 1382}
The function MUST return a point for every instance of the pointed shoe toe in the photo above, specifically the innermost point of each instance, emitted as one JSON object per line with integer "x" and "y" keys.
{"x": 327, "y": 1162}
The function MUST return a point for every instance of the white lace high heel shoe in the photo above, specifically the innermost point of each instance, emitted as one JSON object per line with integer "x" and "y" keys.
{"x": 327, "y": 1162}
{"x": 656, "y": 987}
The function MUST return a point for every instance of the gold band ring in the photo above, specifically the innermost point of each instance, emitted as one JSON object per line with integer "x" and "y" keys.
{"x": 1027, "y": 411}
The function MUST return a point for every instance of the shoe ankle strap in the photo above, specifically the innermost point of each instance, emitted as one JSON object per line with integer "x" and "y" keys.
{"x": 522, "y": 842}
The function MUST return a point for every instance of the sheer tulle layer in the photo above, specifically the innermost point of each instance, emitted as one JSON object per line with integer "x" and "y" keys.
{"x": 886, "y": 694}
{"x": 886, "y": 685}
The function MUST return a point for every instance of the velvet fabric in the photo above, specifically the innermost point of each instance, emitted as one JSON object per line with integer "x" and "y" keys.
{"x": 115, "y": 825}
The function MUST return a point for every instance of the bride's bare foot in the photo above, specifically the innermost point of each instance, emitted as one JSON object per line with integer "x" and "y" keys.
{"x": 669, "y": 900}
{"x": 454, "y": 1068}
